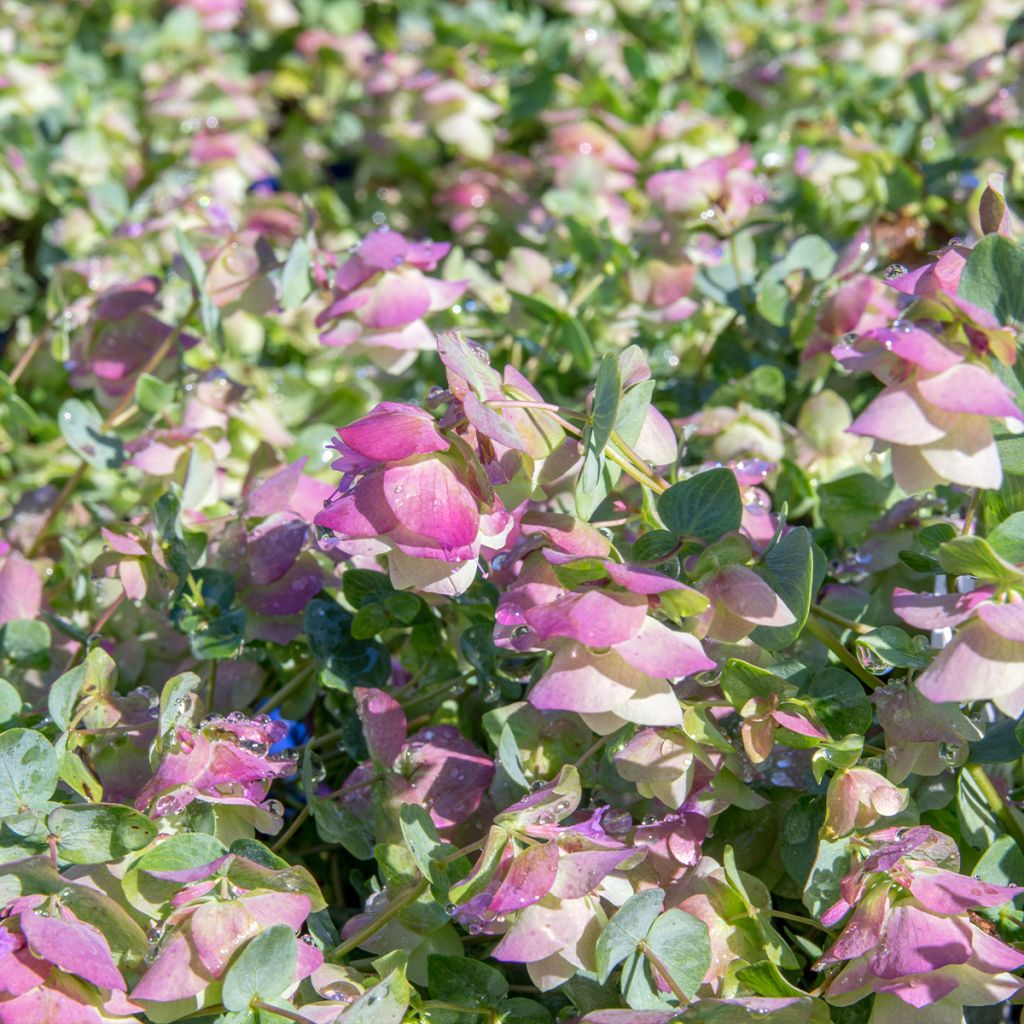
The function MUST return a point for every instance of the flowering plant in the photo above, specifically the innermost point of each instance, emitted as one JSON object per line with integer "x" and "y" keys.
{"x": 511, "y": 513}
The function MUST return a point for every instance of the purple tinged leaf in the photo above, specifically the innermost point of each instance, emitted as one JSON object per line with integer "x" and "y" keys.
{"x": 528, "y": 879}
{"x": 73, "y": 946}
{"x": 392, "y": 431}
{"x": 384, "y": 724}
{"x": 273, "y": 495}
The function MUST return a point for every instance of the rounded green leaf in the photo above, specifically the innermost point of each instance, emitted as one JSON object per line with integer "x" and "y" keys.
{"x": 264, "y": 968}
{"x": 28, "y": 771}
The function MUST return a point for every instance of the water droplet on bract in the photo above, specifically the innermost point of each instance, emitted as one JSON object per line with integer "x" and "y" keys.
{"x": 649, "y": 819}
{"x": 210, "y": 721}
{"x": 616, "y": 822}
{"x": 317, "y": 771}
{"x": 875, "y": 664}
{"x": 950, "y": 754}
{"x": 340, "y": 992}
{"x": 480, "y": 352}
{"x": 848, "y": 339}
{"x": 237, "y": 717}
{"x": 537, "y": 785}
{"x": 707, "y": 214}
{"x": 894, "y": 270}
{"x": 451, "y": 909}
{"x": 256, "y": 747}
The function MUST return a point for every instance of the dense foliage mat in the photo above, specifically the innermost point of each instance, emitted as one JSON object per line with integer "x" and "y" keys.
{"x": 510, "y": 511}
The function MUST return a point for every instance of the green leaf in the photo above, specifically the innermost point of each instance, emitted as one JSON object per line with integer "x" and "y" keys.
{"x": 335, "y": 824}
{"x": 343, "y": 660}
{"x": 991, "y": 279}
{"x": 1001, "y": 743}
{"x": 186, "y": 850}
{"x": 457, "y": 979}
{"x": 365, "y": 586}
{"x": 28, "y": 771}
{"x": 520, "y": 1010}
{"x": 95, "y": 674}
{"x": 509, "y": 760}
{"x": 740, "y": 681}
{"x": 766, "y": 979}
{"x": 894, "y": 647}
{"x": 974, "y": 556}
{"x": 295, "y": 283}
{"x": 798, "y": 843}
{"x": 426, "y": 847}
{"x": 195, "y": 272}
{"x": 264, "y": 968}
{"x": 788, "y": 568}
{"x": 574, "y": 337}
{"x": 152, "y": 394}
{"x": 10, "y": 702}
{"x": 26, "y": 642}
{"x": 82, "y": 428}
{"x": 63, "y": 696}
{"x": 681, "y": 942}
{"x": 1001, "y": 864}
{"x": 173, "y": 698}
{"x": 385, "y": 1003}
{"x": 1007, "y": 539}
{"x": 840, "y": 703}
{"x": 97, "y": 833}
{"x": 607, "y": 392}
{"x": 626, "y": 930}
{"x": 704, "y": 506}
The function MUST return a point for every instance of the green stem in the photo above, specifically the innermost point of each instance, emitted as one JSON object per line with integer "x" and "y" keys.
{"x": 798, "y": 919}
{"x": 972, "y": 510}
{"x": 833, "y": 643}
{"x": 656, "y": 963}
{"x": 59, "y": 502}
{"x": 288, "y": 689}
{"x": 841, "y": 620}
{"x": 390, "y": 912}
{"x": 211, "y": 685}
{"x": 327, "y": 737}
{"x": 26, "y": 357}
{"x": 294, "y": 827}
{"x": 996, "y": 803}
{"x": 591, "y": 751}
{"x": 281, "y": 1012}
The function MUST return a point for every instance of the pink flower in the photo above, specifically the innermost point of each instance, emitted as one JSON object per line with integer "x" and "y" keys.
{"x": 911, "y": 939}
{"x": 934, "y": 410}
{"x": 535, "y": 881}
{"x": 57, "y": 968}
{"x": 381, "y": 294}
{"x": 406, "y": 494}
{"x": 724, "y": 185}
{"x": 613, "y": 661}
{"x": 920, "y": 736}
{"x": 224, "y": 762}
{"x": 984, "y": 660}
{"x": 213, "y": 917}
{"x": 740, "y": 602}
{"x": 857, "y": 798}
{"x": 663, "y": 289}
{"x": 21, "y": 587}
{"x": 122, "y": 335}
{"x": 436, "y": 767}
